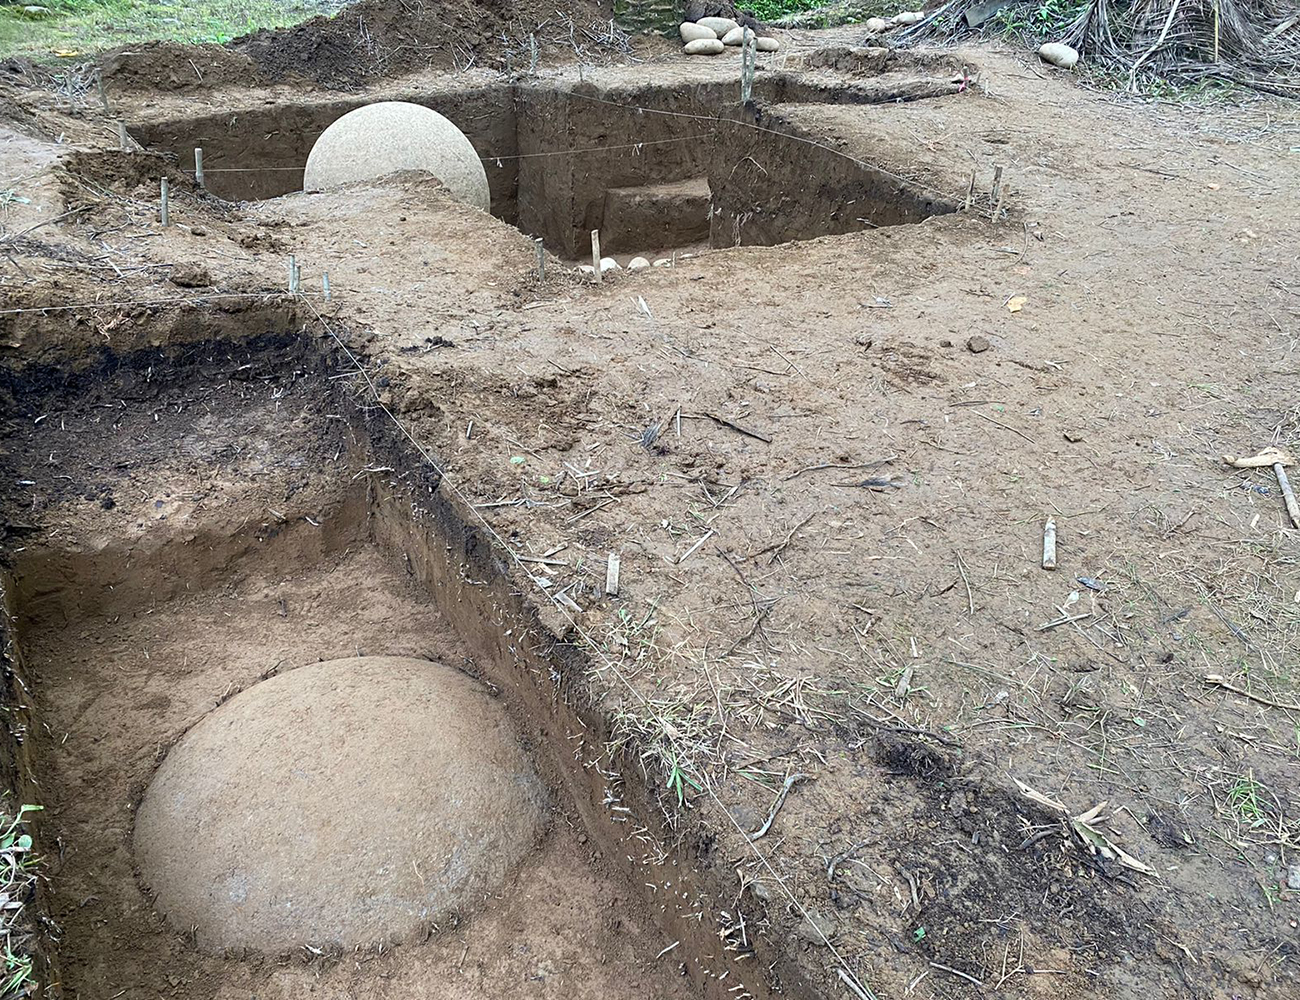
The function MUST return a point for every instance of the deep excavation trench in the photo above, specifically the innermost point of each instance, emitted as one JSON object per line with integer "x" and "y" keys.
{"x": 657, "y": 168}
{"x": 191, "y": 522}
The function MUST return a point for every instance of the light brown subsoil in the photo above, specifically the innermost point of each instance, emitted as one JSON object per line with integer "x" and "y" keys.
{"x": 829, "y": 510}
{"x": 165, "y": 594}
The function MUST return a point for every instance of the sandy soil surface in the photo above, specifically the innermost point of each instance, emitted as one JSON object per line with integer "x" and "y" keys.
{"x": 826, "y": 467}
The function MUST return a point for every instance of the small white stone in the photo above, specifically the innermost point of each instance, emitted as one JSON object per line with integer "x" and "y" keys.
{"x": 720, "y": 25}
{"x": 695, "y": 32}
{"x": 909, "y": 17}
{"x": 663, "y": 262}
{"x": 734, "y": 37}
{"x": 1059, "y": 54}
{"x": 704, "y": 47}
{"x": 609, "y": 264}
{"x": 875, "y": 25}
{"x": 636, "y": 263}
{"x": 766, "y": 44}
{"x": 587, "y": 269}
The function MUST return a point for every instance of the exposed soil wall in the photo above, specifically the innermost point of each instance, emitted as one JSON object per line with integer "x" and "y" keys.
{"x": 260, "y": 152}
{"x": 770, "y": 187}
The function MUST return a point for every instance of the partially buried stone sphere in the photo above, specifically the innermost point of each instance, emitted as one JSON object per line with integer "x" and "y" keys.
{"x": 343, "y": 803}
{"x": 389, "y": 136}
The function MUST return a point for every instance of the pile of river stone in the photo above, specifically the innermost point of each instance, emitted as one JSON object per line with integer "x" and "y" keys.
{"x": 903, "y": 19}
{"x": 710, "y": 35}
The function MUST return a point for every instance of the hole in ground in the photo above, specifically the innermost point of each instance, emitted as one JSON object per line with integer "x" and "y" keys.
{"x": 652, "y": 168}
{"x": 226, "y": 516}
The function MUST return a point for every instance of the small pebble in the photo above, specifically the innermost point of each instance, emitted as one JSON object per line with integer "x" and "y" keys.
{"x": 909, "y": 17}
{"x": 977, "y": 344}
{"x": 1293, "y": 877}
{"x": 766, "y": 44}
{"x": 663, "y": 262}
{"x": 636, "y": 263}
{"x": 875, "y": 25}
{"x": 734, "y": 37}
{"x": 609, "y": 264}
{"x": 1074, "y": 437}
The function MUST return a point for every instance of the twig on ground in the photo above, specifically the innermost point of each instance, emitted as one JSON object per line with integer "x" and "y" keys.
{"x": 790, "y": 782}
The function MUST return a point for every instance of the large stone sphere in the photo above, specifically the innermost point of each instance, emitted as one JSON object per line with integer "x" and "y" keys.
{"x": 343, "y": 803}
{"x": 384, "y": 138}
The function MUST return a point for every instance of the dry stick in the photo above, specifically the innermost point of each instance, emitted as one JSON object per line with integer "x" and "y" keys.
{"x": 740, "y": 430}
{"x": 957, "y": 972}
{"x": 595, "y": 253}
{"x": 691, "y": 551}
{"x": 835, "y": 465}
{"x": 776, "y": 547}
{"x": 1132, "y": 73}
{"x": 859, "y": 988}
{"x": 1003, "y": 426}
{"x": 1288, "y": 495}
{"x": 1218, "y": 681}
{"x": 790, "y": 782}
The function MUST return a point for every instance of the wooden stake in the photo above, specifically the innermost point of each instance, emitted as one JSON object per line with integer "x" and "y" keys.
{"x": 99, "y": 85}
{"x": 595, "y": 253}
{"x": 611, "y": 575}
{"x": 123, "y": 139}
{"x": 541, "y": 260}
{"x": 163, "y": 212}
{"x": 748, "y": 57}
{"x": 198, "y": 165}
{"x": 997, "y": 183}
{"x": 1288, "y": 495}
{"x": 293, "y": 275}
{"x": 325, "y": 284}
{"x": 1049, "y": 544}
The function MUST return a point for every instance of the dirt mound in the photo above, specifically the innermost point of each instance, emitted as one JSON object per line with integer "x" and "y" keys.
{"x": 343, "y": 803}
{"x": 363, "y": 42}
{"x": 374, "y": 38}
{"x": 176, "y": 68}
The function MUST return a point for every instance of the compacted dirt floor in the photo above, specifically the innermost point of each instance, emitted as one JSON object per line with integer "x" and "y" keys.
{"x": 918, "y": 763}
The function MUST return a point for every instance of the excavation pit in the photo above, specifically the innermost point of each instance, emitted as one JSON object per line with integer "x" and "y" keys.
{"x": 651, "y": 168}
{"x": 245, "y": 786}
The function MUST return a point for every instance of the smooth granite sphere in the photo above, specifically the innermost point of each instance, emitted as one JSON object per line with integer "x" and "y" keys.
{"x": 384, "y": 138}
{"x": 340, "y": 804}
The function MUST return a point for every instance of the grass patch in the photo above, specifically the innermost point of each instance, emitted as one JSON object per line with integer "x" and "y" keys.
{"x": 70, "y": 28}
{"x": 17, "y": 877}
{"x": 832, "y": 13}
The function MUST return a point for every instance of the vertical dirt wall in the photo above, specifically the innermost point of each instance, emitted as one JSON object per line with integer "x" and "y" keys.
{"x": 260, "y": 152}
